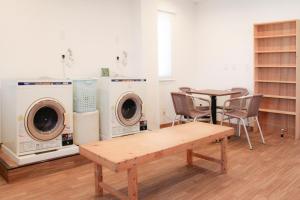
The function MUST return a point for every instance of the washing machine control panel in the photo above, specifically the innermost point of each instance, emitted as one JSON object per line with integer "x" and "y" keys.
{"x": 143, "y": 125}
{"x": 67, "y": 139}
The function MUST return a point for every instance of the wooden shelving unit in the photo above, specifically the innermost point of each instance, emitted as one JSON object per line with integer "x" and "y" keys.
{"x": 277, "y": 75}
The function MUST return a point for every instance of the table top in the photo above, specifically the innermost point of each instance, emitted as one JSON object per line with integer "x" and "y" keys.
{"x": 211, "y": 92}
{"x": 122, "y": 152}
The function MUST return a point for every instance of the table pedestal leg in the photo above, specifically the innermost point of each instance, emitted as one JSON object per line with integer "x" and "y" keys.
{"x": 132, "y": 183}
{"x": 98, "y": 179}
{"x": 214, "y": 109}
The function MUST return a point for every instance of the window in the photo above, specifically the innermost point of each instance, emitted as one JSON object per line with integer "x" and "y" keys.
{"x": 164, "y": 27}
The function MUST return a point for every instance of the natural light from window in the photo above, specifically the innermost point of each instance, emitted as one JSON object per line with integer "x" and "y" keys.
{"x": 164, "y": 44}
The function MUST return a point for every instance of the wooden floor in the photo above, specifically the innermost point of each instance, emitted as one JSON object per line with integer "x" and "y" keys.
{"x": 270, "y": 171}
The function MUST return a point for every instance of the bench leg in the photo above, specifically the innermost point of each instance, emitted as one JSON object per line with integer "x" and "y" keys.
{"x": 224, "y": 142}
{"x": 132, "y": 183}
{"x": 98, "y": 179}
{"x": 189, "y": 157}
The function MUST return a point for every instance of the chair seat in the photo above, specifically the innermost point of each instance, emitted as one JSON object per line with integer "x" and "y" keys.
{"x": 202, "y": 108}
{"x": 199, "y": 113}
{"x": 236, "y": 113}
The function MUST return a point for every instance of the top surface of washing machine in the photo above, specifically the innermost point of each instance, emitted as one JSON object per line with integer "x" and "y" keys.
{"x": 121, "y": 105}
{"x": 36, "y": 114}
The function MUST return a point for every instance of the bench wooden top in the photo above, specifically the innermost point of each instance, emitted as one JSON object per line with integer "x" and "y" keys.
{"x": 124, "y": 152}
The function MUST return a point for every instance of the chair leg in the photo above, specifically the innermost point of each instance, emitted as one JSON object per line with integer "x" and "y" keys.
{"x": 247, "y": 135}
{"x": 195, "y": 119}
{"x": 260, "y": 131}
{"x": 174, "y": 120}
{"x": 239, "y": 127}
{"x": 222, "y": 120}
{"x": 180, "y": 119}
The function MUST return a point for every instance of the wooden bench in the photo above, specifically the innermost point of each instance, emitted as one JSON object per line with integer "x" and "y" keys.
{"x": 127, "y": 153}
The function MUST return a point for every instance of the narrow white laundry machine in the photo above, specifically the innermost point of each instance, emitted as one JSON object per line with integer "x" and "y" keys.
{"x": 37, "y": 121}
{"x": 121, "y": 106}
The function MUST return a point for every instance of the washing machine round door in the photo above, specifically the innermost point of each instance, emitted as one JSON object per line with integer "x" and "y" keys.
{"x": 129, "y": 109}
{"x": 45, "y": 119}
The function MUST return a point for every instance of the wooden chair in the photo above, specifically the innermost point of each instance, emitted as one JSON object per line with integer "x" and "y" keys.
{"x": 248, "y": 108}
{"x": 184, "y": 107}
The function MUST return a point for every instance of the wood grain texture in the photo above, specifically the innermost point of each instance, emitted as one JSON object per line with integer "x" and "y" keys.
{"x": 189, "y": 157}
{"x": 113, "y": 191}
{"x": 270, "y": 171}
{"x": 224, "y": 143}
{"x": 132, "y": 183}
{"x": 205, "y": 157}
{"x": 145, "y": 147}
{"x": 297, "y": 126}
{"x": 98, "y": 180}
{"x": 277, "y": 74}
{"x": 12, "y": 172}
{"x": 277, "y": 28}
{"x": 124, "y": 152}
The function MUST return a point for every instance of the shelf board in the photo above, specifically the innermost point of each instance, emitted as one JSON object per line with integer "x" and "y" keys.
{"x": 275, "y": 66}
{"x": 275, "y": 36}
{"x": 277, "y": 111}
{"x": 280, "y": 97}
{"x": 275, "y": 81}
{"x": 277, "y": 22}
{"x": 277, "y": 51}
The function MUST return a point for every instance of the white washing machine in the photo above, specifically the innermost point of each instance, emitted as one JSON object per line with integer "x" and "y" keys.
{"x": 121, "y": 106}
{"x": 37, "y": 122}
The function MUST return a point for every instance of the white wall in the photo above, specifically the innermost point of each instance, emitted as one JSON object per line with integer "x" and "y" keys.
{"x": 216, "y": 43}
{"x": 34, "y": 33}
{"x": 184, "y": 62}
{"x": 225, "y": 38}
{"x": 213, "y": 43}
{"x": 149, "y": 60}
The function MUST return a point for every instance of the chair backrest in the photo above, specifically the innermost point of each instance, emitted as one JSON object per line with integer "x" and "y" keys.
{"x": 238, "y": 103}
{"x": 253, "y": 105}
{"x": 243, "y": 92}
{"x": 181, "y": 103}
{"x": 190, "y": 100}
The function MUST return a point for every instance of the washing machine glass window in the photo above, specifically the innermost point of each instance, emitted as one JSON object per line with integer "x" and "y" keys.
{"x": 129, "y": 109}
{"x": 45, "y": 120}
